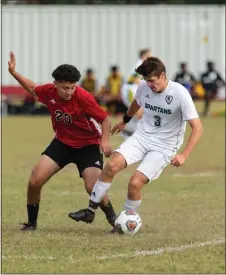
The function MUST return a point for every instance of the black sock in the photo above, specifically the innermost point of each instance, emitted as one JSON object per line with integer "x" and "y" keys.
{"x": 32, "y": 212}
{"x": 108, "y": 210}
{"x": 93, "y": 206}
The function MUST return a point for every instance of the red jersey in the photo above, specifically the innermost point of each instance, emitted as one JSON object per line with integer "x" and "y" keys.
{"x": 76, "y": 122}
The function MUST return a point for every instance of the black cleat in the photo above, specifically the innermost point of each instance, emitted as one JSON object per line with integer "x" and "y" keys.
{"x": 113, "y": 231}
{"x": 111, "y": 221}
{"x": 28, "y": 226}
{"x": 84, "y": 215}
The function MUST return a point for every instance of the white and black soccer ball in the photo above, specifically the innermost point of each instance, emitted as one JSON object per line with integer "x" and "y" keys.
{"x": 128, "y": 222}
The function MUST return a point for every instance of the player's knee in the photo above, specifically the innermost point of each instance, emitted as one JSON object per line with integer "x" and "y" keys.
{"x": 35, "y": 183}
{"x": 111, "y": 168}
{"x": 135, "y": 184}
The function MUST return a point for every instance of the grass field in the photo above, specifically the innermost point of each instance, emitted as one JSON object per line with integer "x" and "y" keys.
{"x": 183, "y": 211}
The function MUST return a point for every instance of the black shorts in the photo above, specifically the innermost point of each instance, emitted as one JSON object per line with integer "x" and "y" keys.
{"x": 84, "y": 157}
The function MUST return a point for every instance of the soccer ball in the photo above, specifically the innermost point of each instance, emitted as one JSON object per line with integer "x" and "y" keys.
{"x": 128, "y": 222}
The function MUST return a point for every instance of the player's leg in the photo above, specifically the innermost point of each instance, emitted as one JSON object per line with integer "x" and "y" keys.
{"x": 41, "y": 173}
{"x": 52, "y": 160}
{"x": 150, "y": 168}
{"x": 131, "y": 151}
{"x": 207, "y": 99}
{"x": 90, "y": 176}
{"x": 136, "y": 183}
{"x": 89, "y": 161}
{"x": 100, "y": 188}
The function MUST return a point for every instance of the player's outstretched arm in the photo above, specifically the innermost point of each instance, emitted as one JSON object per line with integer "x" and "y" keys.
{"x": 139, "y": 113}
{"x": 24, "y": 82}
{"x": 196, "y": 134}
{"x": 133, "y": 108}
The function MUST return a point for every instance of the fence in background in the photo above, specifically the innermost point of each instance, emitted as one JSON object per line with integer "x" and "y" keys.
{"x": 99, "y": 36}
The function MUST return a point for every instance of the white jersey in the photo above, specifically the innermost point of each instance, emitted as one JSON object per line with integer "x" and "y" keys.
{"x": 165, "y": 114}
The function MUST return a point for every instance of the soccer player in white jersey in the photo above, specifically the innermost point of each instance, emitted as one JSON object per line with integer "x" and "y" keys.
{"x": 143, "y": 55}
{"x": 159, "y": 135}
{"x": 128, "y": 92}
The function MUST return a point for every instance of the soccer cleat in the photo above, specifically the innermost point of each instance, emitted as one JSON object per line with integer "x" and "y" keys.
{"x": 28, "y": 226}
{"x": 111, "y": 220}
{"x": 114, "y": 230}
{"x": 84, "y": 215}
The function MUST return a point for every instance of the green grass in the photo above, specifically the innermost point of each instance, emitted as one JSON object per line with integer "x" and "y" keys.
{"x": 185, "y": 205}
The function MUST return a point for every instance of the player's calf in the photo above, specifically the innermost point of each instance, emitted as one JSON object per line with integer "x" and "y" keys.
{"x": 134, "y": 189}
{"x": 109, "y": 212}
{"x": 136, "y": 183}
{"x": 35, "y": 185}
{"x": 33, "y": 199}
{"x": 134, "y": 196}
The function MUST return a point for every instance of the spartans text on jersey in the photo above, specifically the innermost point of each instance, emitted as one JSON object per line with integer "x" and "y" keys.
{"x": 158, "y": 109}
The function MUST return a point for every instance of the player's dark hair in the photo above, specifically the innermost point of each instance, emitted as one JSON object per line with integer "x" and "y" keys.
{"x": 114, "y": 69}
{"x": 67, "y": 73}
{"x": 89, "y": 71}
{"x": 152, "y": 66}
{"x": 210, "y": 65}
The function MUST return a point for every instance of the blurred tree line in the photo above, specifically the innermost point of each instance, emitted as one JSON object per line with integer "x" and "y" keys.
{"x": 105, "y": 2}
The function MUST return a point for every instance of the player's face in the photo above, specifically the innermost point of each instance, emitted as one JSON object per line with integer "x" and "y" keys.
{"x": 156, "y": 84}
{"x": 65, "y": 89}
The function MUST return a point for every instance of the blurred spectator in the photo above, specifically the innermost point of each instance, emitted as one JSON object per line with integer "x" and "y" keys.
{"x": 15, "y": 104}
{"x": 211, "y": 81}
{"x": 112, "y": 92}
{"x": 143, "y": 55}
{"x": 129, "y": 89}
{"x": 89, "y": 82}
{"x": 186, "y": 78}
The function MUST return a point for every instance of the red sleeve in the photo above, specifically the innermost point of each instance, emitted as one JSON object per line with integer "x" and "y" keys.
{"x": 91, "y": 107}
{"x": 42, "y": 92}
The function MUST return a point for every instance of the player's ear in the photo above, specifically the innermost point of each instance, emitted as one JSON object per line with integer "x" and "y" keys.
{"x": 162, "y": 75}
{"x": 54, "y": 82}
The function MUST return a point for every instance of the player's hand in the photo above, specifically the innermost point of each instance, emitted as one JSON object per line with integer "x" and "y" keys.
{"x": 12, "y": 62}
{"x": 105, "y": 147}
{"x": 118, "y": 128}
{"x": 178, "y": 160}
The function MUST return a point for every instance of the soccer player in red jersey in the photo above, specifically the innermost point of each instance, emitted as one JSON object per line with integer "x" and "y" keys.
{"x": 81, "y": 135}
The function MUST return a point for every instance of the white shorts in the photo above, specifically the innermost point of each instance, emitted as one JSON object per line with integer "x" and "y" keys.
{"x": 153, "y": 159}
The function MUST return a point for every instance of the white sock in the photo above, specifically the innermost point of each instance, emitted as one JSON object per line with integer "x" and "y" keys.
{"x": 99, "y": 191}
{"x": 131, "y": 205}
